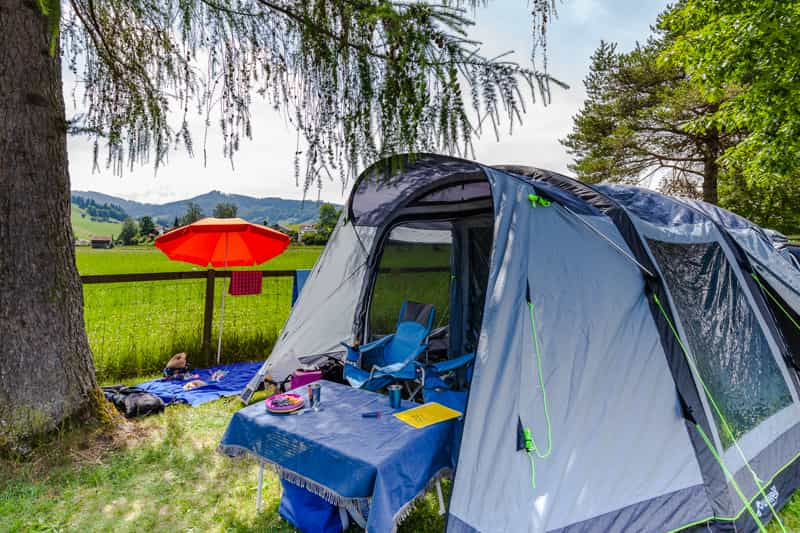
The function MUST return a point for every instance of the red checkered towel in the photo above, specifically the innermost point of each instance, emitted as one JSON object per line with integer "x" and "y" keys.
{"x": 244, "y": 282}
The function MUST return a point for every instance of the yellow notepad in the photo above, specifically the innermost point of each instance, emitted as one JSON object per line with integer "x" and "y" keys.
{"x": 427, "y": 415}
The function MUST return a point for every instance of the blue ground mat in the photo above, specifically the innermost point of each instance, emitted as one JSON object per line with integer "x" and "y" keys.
{"x": 230, "y": 381}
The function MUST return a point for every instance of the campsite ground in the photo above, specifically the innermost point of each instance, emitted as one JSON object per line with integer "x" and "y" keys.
{"x": 160, "y": 473}
{"x": 163, "y": 473}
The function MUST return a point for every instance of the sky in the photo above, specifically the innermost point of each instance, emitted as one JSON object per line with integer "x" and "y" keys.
{"x": 264, "y": 166}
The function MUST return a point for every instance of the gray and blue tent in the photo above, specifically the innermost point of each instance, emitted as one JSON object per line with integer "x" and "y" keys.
{"x": 636, "y": 354}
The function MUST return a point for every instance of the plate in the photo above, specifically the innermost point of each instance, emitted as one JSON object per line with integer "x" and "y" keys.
{"x": 287, "y": 402}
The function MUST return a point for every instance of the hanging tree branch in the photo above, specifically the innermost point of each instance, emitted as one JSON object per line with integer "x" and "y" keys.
{"x": 359, "y": 79}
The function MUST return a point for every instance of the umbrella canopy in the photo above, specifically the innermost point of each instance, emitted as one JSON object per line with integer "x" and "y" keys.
{"x": 222, "y": 242}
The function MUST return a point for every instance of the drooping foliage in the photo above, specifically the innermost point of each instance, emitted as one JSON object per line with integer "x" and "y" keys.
{"x": 358, "y": 79}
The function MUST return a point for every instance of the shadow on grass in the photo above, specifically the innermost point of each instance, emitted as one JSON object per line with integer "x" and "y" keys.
{"x": 161, "y": 473}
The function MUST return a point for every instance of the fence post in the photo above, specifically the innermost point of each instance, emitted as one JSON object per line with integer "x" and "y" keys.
{"x": 208, "y": 314}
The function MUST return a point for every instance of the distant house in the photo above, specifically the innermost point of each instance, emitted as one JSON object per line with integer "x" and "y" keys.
{"x": 102, "y": 242}
{"x": 302, "y": 229}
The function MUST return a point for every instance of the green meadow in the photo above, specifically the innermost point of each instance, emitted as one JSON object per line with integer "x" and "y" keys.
{"x": 85, "y": 228}
{"x": 134, "y": 328}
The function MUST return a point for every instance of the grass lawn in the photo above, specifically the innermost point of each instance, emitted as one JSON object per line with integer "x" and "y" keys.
{"x": 85, "y": 228}
{"x": 160, "y": 473}
{"x": 134, "y": 328}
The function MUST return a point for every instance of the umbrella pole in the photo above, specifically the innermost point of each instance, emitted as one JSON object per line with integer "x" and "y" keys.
{"x": 222, "y": 310}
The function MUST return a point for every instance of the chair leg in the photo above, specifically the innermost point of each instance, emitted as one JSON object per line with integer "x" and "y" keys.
{"x": 420, "y": 385}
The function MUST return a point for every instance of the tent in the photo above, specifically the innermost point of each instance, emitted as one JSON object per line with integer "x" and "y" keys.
{"x": 636, "y": 354}
{"x": 781, "y": 243}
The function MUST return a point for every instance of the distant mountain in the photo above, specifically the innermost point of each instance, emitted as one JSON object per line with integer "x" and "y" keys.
{"x": 252, "y": 209}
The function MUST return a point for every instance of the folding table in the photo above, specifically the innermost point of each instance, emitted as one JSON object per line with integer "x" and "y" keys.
{"x": 372, "y": 466}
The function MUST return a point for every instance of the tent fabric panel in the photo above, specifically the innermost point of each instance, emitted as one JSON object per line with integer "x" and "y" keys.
{"x": 779, "y": 467}
{"x": 783, "y": 276}
{"x": 605, "y": 373}
{"x": 666, "y": 512}
{"x": 553, "y": 192}
{"x": 721, "y": 216}
{"x": 680, "y": 509}
{"x": 324, "y": 312}
{"x": 651, "y": 206}
{"x": 692, "y": 403}
{"x": 770, "y": 459}
{"x": 384, "y": 187}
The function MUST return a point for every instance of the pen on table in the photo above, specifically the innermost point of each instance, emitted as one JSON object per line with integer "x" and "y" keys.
{"x": 372, "y": 414}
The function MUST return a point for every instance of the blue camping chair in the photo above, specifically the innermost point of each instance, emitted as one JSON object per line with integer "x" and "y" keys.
{"x": 393, "y": 357}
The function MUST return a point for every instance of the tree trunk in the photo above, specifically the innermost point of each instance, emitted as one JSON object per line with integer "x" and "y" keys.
{"x": 46, "y": 371}
{"x": 711, "y": 167}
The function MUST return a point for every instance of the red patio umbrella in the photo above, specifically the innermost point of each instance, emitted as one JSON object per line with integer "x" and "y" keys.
{"x": 222, "y": 242}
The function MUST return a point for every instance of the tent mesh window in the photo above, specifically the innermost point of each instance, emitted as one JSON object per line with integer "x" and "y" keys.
{"x": 414, "y": 266}
{"x": 723, "y": 334}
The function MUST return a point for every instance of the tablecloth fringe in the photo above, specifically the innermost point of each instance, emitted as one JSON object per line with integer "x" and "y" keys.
{"x": 331, "y": 496}
{"x": 408, "y": 508}
{"x": 315, "y": 488}
{"x": 294, "y": 478}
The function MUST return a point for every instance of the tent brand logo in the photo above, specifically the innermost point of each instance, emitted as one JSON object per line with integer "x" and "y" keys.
{"x": 771, "y": 499}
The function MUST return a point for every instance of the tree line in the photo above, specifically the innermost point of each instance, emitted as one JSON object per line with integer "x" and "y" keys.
{"x": 706, "y": 107}
{"x": 103, "y": 211}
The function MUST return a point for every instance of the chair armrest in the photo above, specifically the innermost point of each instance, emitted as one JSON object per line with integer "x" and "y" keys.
{"x": 452, "y": 364}
{"x": 400, "y": 365}
{"x": 353, "y": 356}
{"x": 380, "y": 343}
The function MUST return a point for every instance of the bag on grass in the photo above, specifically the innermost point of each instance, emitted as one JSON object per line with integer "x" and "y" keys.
{"x": 133, "y": 401}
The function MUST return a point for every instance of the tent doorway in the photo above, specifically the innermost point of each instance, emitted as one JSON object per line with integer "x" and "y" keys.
{"x": 444, "y": 263}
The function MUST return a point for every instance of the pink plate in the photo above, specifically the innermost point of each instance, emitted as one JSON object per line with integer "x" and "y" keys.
{"x": 288, "y": 402}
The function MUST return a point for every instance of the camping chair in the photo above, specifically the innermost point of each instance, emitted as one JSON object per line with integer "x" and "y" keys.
{"x": 393, "y": 357}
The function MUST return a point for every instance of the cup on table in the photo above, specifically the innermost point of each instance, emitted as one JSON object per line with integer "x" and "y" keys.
{"x": 314, "y": 395}
{"x": 394, "y": 395}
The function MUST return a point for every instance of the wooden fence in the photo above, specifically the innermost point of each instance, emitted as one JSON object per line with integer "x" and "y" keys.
{"x": 210, "y": 276}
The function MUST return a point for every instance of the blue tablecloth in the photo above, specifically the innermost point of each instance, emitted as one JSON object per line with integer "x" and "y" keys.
{"x": 346, "y": 458}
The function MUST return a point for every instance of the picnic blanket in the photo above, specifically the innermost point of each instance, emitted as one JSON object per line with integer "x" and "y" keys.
{"x": 223, "y": 380}
{"x": 380, "y": 464}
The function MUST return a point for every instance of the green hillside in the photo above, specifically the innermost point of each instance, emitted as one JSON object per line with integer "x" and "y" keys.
{"x": 84, "y": 227}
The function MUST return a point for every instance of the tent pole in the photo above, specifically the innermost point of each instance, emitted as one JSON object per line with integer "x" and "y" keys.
{"x": 222, "y": 310}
